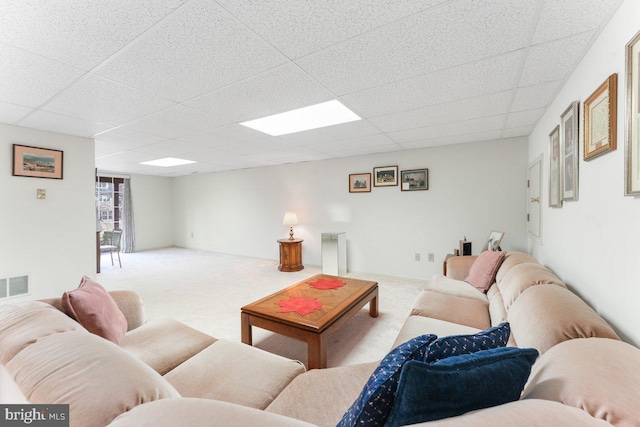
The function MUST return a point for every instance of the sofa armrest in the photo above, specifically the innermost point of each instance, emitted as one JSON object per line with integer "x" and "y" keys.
{"x": 458, "y": 266}
{"x": 131, "y": 306}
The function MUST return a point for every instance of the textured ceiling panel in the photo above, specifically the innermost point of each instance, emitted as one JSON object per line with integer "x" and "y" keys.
{"x": 11, "y": 113}
{"x": 459, "y": 128}
{"x": 175, "y": 122}
{"x": 199, "y": 49}
{"x": 536, "y": 96}
{"x": 78, "y": 32}
{"x": 53, "y": 122}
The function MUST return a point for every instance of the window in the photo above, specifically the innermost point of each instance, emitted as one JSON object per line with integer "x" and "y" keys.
{"x": 110, "y": 192}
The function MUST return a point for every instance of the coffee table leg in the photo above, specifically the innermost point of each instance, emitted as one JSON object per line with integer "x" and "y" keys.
{"x": 373, "y": 305}
{"x": 317, "y": 351}
{"x": 245, "y": 325}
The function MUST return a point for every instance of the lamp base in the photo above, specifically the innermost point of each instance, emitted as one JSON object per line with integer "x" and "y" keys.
{"x": 291, "y": 233}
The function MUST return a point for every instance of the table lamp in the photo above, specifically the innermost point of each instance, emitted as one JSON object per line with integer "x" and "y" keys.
{"x": 290, "y": 219}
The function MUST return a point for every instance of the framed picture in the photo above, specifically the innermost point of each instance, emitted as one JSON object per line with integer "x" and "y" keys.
{"x": 385, "y": 176}
{"x": 600, "y": 118}
{"x": 493, "y": 241}
{"x": 569, "y": 150}
{"x": 37, "y": 162}
{"x": 632, "y": 143}
{"x": 359, "y": 183}
{"x": 414, "y": 180}
{"x": 555, "y": 199}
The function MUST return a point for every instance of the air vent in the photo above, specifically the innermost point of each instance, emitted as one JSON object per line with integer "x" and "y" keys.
{"x": 14, "y": 286}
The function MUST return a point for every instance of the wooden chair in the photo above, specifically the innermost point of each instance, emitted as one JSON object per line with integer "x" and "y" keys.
{"x": 111, "y": 242}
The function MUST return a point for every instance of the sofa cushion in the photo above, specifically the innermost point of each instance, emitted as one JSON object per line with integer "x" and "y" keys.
{"x": 464, "y": 311}
{"x": 92, "y": 306}
{"x": 235, "y": 373}
{"x": 598, "y": 375}
{"x": 374, "y": 404}
{"x": 510, "y": 260}
{"x": 150, "y": 343}
{"x": 321, "y": 396}
{"x": 523, "y": 276}
{"x": 98, "y": 379}
{"x": 483, "y": 271}
{"x": 420, "y": 325}
{"x": 200, "y": 413}
{"x": 21, "y": 324}
{"x": 457, "y": 288}
{"x": 544, "y": 316}
{"x": 459, "y": 384}
{"x": 529, "y": 413}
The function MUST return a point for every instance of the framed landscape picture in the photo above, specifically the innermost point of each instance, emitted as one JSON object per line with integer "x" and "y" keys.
{"x": 414, "y": 180}
{"x": 569, "y": 150}
{"x": 385, "y": 176}
{"x": 359, "y": 183}
{"x": 600, "y": 118}
{"x": 555, "y": 199}
{"x": 632, "y": 143}
{"x": 37, "y": 162}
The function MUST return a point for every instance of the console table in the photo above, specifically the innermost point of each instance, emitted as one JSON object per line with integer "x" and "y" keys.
{"x": 290, "y": 255}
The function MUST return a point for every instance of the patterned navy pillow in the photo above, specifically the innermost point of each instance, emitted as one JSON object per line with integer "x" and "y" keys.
{"x": 374, "y": 404}
{"x": 457, "y": 345}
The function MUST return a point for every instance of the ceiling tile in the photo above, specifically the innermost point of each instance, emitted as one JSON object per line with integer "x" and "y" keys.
{"x": 464, "y": 109}
{"x": 249, "y": 147}
{"x": 282, "y": 89}
{"x": 175, "y": 122}
{"x": 170, "y": 148}
{"x": 523, "y": 118}
{"x": 361, "y": 151}
{"x": 225, "y": 135}
{"x": 78, "y": 32}
{"x": 293, "y": 155}
{"x": 458, "y": 128}
{"x": 519, "y": 131}
{"x": 453, "y": 139}
{"x": 545, "y": 62}
{"x": 30, "y": 80}
{"x": 361, "y": 142}
{"x": 303, "y": 27}
{"x": 11, "y": 113}
{"x": 127, "y": 138}
{"x": 536, "y": 96}
{"x": 487, "y": 76}
{"x": 53, "y": 122}
{"x": 198, "y": 49}
{"x": 567, "y": 17}
{"x": 423, "y": 43}
{"x": 95, "y": 98}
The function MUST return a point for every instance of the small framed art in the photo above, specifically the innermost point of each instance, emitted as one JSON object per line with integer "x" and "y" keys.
{"x": 414, "y": 180}
{"x": 493, "y": 241}
{"x": 569, "y": 150}
{"x": 385, "y": 176}
{"x": 555, "y": 199}
{"x": 359, "y": 183}
{"x": 37, "y": 162}
{"x": 632, "y": 140}
{"x": 600, "y": 118}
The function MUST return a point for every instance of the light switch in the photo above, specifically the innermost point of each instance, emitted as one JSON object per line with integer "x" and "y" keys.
{"x": 42, "y": 194}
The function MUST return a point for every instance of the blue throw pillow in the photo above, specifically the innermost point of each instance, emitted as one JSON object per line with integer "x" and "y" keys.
{"x": 457, "y": 345}
{"x": 374, "y": 404}
{"x": 460, "y": 384}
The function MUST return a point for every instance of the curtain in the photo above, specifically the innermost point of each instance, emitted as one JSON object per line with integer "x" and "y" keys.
{"x": 129, "y": 233}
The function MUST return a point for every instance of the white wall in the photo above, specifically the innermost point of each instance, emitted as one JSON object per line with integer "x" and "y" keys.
{"x": 152, "y": 211}
{"x": 51, "y": 240}
{"x": 473, "y": 189}
{"x": 592, "y": 243}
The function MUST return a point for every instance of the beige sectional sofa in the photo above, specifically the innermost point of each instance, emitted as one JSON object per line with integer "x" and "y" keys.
{"x": 165, "y": 373}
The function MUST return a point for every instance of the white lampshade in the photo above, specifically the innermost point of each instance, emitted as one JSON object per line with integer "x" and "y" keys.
{"x": 290, "y": 218}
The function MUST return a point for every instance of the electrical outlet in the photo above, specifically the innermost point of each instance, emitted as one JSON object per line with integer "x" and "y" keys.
{"x": 417, "y": 257}
{"x": 430, "y": 258}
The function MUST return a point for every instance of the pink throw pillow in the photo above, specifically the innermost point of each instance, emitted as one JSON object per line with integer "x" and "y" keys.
{"x": 92, "y": 306}
{"x": 483, "y": 271}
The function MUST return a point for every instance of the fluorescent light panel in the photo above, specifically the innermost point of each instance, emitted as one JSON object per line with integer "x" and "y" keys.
{"x": 168, "y": 162}
{"x": 313, "y": 117}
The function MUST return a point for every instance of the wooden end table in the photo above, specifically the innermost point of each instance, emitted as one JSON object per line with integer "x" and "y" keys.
{"x": 290, "y": 255}
{"x": 338, "y": 306}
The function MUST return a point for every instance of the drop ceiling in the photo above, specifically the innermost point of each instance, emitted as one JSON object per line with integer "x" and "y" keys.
{"x": 174, "y": 78}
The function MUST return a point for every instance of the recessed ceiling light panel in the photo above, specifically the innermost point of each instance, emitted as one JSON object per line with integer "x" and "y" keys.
{"x": 313, "y": 117}
{"x": 168, "y": 162}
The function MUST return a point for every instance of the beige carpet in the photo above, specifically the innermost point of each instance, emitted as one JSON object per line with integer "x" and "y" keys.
{"x": 205, "y": 290}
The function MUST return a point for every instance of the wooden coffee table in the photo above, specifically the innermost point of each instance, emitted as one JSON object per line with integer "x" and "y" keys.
{"x": 337, "y": 306}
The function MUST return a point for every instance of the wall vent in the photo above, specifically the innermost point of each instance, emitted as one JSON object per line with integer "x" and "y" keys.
{"x": 14, "y": 286}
